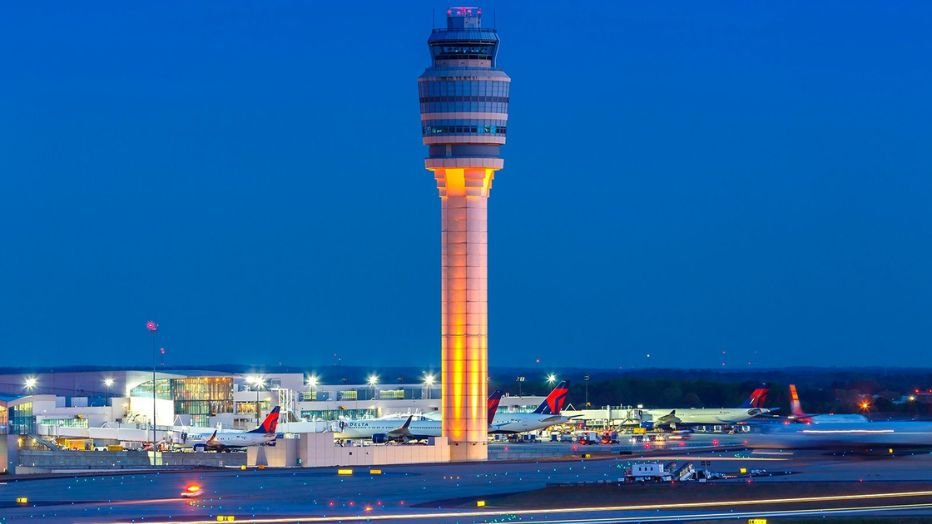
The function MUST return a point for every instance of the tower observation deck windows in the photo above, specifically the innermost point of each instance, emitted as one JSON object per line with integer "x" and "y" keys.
{"x": 433, "y": 130}
{"x": 463, "y": 52}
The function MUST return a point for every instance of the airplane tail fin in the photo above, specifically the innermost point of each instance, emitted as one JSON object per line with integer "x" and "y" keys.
{"x": 213, "y": 436}
{"x": 494, "y": 399}
{"x": 796, "y": 408}
{"x": 407, "y": 422}
{"x": 757, "y": 399}
{"x": 270, "y": 423}
{"x": 555, "y": 401}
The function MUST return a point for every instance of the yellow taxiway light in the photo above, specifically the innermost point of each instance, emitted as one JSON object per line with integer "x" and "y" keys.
{"x": 375, "y": 471}
{"x": 226, "y": 518}
{"x": 22, "y": 500}
{"x": 743, "y": 471}
{"x": 757, "y": 521}
{"x": 480, "y": 503}
{"x": 344, "y": 471}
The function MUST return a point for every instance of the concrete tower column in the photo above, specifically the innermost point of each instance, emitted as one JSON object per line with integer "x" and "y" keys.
{"x": 464, "y": 194}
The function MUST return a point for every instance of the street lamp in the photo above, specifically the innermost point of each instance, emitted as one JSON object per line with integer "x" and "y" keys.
{"x": 312, "y": 382}
{"x": 373, "y": 380}
{"x": 520, "y": 381}
{"x": 429, "y": 381}
{"x": 30, "y": 383}
{"x": 257, "y": 383}
{"x": 551, "y": 378}
{"x": 586, "y": 380}
{"x": 153, "y": 328}
{"x": 109, "y": 383}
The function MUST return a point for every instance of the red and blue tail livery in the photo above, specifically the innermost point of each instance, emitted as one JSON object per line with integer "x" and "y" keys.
{"x": 758, "y": 398}
{"x": 494, "y": 399}
{"x": 555, "y": 401}
{"x": 270, "y": 423}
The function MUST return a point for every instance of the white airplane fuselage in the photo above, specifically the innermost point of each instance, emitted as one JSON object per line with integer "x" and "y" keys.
{"x": 367, "y": 428}
{"x": 523, "y": 422}
{"x": 501, "y": 423}
{"x": 708, "y": 416}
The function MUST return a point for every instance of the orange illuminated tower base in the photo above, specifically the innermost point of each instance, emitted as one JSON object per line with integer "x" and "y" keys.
{"x": 464, "y": 193}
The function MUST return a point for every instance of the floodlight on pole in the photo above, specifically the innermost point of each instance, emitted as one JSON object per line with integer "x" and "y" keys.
{"x": 30, "y": 383}
{"x": 429, "y": 379}
{"x": 153, "y": 327}
{"x": 258, "y": 383}
{"x": 373, "y": 380}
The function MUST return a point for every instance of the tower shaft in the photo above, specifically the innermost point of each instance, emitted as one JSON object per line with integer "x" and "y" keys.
{"x": 464, "y": 196}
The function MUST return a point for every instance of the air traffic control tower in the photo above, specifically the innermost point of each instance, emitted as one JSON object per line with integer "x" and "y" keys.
{"x": 464, "y": 116}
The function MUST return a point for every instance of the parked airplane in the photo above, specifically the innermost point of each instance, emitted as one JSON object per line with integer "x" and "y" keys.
{"x": 546, "y": 415}
{"x": 798, "y": 415}
{"x": 389, "y": 429}
{"x": 264, "y": 434}
{"x": 672, "y": 418}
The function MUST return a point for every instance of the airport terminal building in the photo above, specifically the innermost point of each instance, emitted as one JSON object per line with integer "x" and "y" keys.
{"x": 31, "y": 404}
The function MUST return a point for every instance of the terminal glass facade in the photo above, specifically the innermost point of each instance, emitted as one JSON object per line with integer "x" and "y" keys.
{"x": 163, "y": 389}
{"x": 202, "y": 397}
{"x": 198, "y": 397}
{"x": 363, "y": 393}
{"x": 66, "y": 422}
{"x": 336, "y": 414}
{"x": 22, "y": 421}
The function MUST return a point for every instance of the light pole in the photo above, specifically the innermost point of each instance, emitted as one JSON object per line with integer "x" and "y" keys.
{"x": 586, "y": 380}
{"x": 373, "y": 380}
{"x": 109, "y": 383}
{"x": 257, "y": 382}
{"x": 429, "y": 382}
{"x": 30, "y": 383}
{"x": 520, "y": 381}
{"x": 312, "y": 382}
{"x": 153, "y": 328}
{"x": 551, "y": 378}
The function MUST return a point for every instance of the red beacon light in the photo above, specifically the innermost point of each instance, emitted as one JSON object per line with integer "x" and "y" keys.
{"x": 192, "y": 491}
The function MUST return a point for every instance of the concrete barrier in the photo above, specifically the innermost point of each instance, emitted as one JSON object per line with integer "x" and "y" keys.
{"x": 319, "y": 450}
{"x": 32, "y": 461}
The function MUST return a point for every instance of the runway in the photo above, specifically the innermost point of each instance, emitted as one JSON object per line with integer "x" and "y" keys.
{"x": 512, "y": 490}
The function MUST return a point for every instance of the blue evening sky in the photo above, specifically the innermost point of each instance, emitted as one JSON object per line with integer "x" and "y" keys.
{"x": 681, "y": 179}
